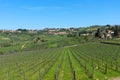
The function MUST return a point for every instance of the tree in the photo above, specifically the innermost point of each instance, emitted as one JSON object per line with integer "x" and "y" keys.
{"x": 22, "y": 30}
{"x": 97, "y": 34}
{"x": 86, "y": 38}
{"x": 116, "y": 30}
{"x": 37, "y": 39}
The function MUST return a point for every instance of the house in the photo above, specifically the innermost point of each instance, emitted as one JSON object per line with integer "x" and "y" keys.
{"x": 32, "y": 31}
{"x": 85, "y": 34}
{"x": 58, "y": 33}
{"x": 109, "y": 34}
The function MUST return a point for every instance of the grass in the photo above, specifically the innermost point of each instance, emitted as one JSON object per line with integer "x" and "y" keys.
{"x": 65, "y": 72}
{"x": 80, "y": 73}
{"x": 51, "y": 74}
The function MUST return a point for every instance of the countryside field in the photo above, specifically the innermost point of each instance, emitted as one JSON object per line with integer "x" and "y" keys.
{"x": 89, "y": 61}
{"x": 59, "y": 39}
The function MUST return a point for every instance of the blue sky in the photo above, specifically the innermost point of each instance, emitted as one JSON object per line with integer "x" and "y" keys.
{"x": 39, "y": 14}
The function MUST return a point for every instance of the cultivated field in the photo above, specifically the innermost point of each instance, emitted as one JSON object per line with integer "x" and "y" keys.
{"x": 90, "y": 61}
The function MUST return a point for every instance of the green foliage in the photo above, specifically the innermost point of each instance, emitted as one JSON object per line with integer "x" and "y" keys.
{"x": 1, "y": 53}
{"x": 97, "y": 34}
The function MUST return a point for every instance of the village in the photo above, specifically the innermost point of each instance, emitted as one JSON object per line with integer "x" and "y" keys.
{"x": 102, "y": 32}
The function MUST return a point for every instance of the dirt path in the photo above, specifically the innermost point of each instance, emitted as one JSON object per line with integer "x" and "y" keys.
{"x": 71, "y": 46}
{"x": 118, "y": 78}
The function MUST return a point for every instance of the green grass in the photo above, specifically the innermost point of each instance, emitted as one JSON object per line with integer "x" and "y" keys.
{"x": 65, "y": 72}
{"x": 51, "y": 74}
{"x": 80, "y": 73}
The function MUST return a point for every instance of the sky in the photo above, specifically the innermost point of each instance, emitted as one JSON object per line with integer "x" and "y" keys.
{"x": 39, "y": 14}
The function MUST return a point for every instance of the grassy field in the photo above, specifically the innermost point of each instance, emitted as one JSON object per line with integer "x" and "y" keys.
{"x": 90, "y": 61}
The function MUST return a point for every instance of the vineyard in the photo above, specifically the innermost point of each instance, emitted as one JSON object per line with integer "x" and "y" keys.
{"x": 90, "y": 61}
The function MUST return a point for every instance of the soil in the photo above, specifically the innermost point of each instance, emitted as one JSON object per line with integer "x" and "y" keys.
{"x": 118, "y": 78}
